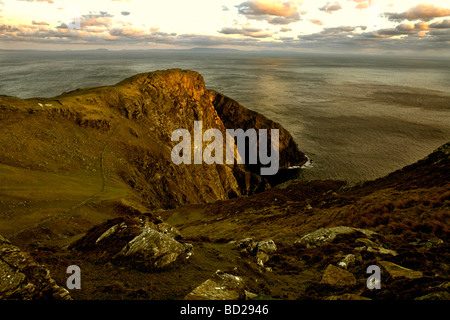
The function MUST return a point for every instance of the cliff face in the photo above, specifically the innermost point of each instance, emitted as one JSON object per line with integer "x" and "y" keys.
{"x": 89, "y": 146}
{"x": 235, "y": 116}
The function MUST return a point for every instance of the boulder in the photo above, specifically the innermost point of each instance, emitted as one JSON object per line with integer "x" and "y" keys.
{"x": 141, "y": 241}
{"x": 374, "y": 247}
{"x": 348, "y": 296}
{"x": 347, "y": 261}
{"x": 222, "y": 286}
{"x": 337, "y": 277}
{"x": 262, "y": 249}
{"x": 439, "y": 295}
{"x": 325, "y": 235}
{"x": 246, "y": 245}
{"x": 152, "y": 250}
{"x": 21, "y": 278}
{"x": 396, "y": 271}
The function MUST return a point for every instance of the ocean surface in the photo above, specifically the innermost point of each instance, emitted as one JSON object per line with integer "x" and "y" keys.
{"x": 356, "y": 117}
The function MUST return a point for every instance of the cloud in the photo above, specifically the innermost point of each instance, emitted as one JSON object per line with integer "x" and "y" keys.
{"x": 4, "y": 29}
{"x": 384, "y": 40}
{"x": 444, "y": 24}
{"x": 419, "y": 29}
{"x": 48, "y": 1}
{"x": 328, "y": 32}
{"x": 339, "y": 29}
{"x": 125, "y": 13}
{"x": 102, "y": 28}
{"x": 399, "y": 30}
{"x": 124, "y": 36}
{"x": 275, "y": 8}
{"x": 362, "y": 4}
{"x": 246, "y": 31}
{"x": 127, "y": 32}
{"x": 316, "y": 21}
{"x": 274, "y": 12}
{"x": 443, "y": 34}
{"x": 95, "y": 20}
{"x": 340, "y": 39}
{"x": 331, "y": 7}
{"x": 37, "y": 23}
{"x": 62, "y": 26}
{"x": 425, "y": 12}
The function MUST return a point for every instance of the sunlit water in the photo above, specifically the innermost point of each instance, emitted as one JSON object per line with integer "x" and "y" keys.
{"x": 339, "y": 109}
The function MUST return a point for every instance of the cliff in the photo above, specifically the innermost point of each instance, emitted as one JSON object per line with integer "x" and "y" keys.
{"x": 88, "y": 149}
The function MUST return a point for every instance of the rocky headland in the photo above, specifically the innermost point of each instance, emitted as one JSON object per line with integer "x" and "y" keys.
{"x": 88, "y": 180}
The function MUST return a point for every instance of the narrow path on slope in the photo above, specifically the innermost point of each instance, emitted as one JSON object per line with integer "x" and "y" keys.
{"x": 84, "y": 202}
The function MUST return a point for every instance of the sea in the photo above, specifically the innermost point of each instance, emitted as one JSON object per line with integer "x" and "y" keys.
{"x": 356, "y": 117}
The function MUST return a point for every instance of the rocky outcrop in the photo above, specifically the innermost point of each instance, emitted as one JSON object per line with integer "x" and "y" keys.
{"x": 396, "y": 271}
{"x": 262, "y": 250}
{"x": 371, "y": 246}
{"x": 21, "y": 278}
{"x": 141, "y": 241}
{"x": 335, "y": 276}
{"x": 221, "y": 286}
{"x": 325, "y": 235}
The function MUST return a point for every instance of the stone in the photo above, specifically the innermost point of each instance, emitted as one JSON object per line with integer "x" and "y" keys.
{"x": 21, "y": 278}
{"x": 249, "y": 295}
{"x": 382, "y": 250}
{"x": 396, "y": 271}
{"x": 374, "y": 247}
{"x": 261, "y": 258}
{"x": 439, "y": 295}
{"x": 348, "y": 296}
{"x": 152, "y": 250}
{"x": 246, "y": 245}
{"x": 337, "y": 277}
{"x": 222, "y": 286}
{"x": 140, "y": 241}
{"x": 325, "y": 235}
{"x": 267, "y": 246}
{"x": 348, "y": 261}
{"x": 262, "y": 249}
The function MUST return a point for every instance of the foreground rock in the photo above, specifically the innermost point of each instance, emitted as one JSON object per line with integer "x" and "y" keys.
{"x": 325, "y": 235}
{"x": 348, "y": 296}
{"x": 21, "y": 278}
{"x": 396, "y": 271}
{"x": 335, "y": 276}
{"x": 222, "y": 286}
{"x": 262, "y": 250}
{"x": 141, "y": 241}
{"x": 371, "y": 246}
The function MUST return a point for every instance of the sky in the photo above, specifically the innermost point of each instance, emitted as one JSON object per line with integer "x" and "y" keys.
{"x": 371, "y": 26}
